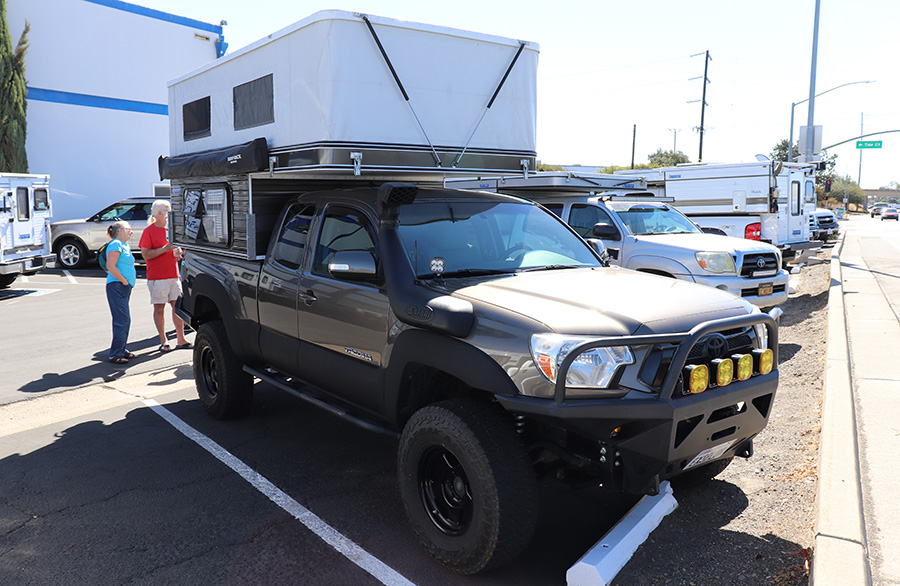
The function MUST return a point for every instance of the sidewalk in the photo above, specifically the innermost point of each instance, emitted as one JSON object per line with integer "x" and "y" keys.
{"x": 856, "y": 504}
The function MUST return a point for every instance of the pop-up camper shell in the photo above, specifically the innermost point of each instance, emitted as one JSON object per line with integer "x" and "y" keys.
{"x": 335, "y": 100}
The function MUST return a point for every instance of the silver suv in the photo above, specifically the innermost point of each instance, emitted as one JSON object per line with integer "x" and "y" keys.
{"x": 76, "y": 241}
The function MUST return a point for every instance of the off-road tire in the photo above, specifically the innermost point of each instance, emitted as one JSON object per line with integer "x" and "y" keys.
{"x": 225, "y": 390}
{"x": 470, "y": 444}
{"x": 7, "y": 280}
{"x": 701, "y": 474}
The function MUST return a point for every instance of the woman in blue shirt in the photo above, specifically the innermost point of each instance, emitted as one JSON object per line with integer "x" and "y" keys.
{"x": 119, "y": 283}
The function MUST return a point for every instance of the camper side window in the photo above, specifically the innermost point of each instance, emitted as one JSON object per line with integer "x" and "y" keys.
{"x": 206, "y": 215}
{"x": 254, "y": 103}
{"x": 196, "y": 119}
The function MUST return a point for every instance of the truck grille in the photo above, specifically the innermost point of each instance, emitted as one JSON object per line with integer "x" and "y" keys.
{"x": 763, "y": 264}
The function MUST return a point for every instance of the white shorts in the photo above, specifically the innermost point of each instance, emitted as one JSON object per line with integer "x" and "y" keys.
{"x": 164, "y": 290}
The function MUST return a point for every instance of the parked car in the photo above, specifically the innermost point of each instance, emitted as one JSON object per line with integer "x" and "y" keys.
{"x": 889, "y": 214}
{"x": 823, "y": 224}
{"x": 76, "y": 241}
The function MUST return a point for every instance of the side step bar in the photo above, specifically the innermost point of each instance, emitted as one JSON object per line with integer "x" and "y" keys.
{"x": 287, "y": 387}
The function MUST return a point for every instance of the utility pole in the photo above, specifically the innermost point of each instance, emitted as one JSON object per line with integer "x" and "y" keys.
{"x": 633, "y": 141}
{"x": 703, "y": 100}
{"x": 674, "y": 140}
{"x": 859, "y": 175}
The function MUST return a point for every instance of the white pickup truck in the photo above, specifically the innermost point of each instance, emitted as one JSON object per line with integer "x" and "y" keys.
{"x": 644, "y": 232}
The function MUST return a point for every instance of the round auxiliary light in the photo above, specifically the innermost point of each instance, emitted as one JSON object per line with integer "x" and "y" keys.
{"x": 724, "y": 368}
{"x": 697, "y": 376}
{"x": 764, "y": 360}
{"x": 744, "y": 365}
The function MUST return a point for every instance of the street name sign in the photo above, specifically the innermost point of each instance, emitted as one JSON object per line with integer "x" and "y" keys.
{"x": 868, "y": 144}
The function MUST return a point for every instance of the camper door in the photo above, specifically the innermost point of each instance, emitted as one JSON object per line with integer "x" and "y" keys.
{"x": 22, "y": 212}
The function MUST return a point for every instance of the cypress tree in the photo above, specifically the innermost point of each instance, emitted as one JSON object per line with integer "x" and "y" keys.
{"x": 13, "y": 98}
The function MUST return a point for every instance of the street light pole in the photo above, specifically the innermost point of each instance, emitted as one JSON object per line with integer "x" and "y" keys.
{"x": 674, "y": 140}
{"x": 812, "y": 90}
{"x": 791, "y": 139}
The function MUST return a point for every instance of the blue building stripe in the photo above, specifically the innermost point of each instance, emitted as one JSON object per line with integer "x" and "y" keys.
{"x": 158, "y": 14}
{"x": 59, "y": 97}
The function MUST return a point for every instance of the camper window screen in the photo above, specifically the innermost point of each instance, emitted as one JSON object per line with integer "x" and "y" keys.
{"x": 254, "y": 103}
{"x": 206, "y": 215}
{"x": 195, "y": 116}
{"x": 23, "y": 209}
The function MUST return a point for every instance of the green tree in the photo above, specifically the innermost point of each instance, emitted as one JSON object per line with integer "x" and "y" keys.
{"x": 845, "y": 187}
{"x": 13, "y": 94}
{"x": 780, "y": 152}
{"x": 663, "y": 158}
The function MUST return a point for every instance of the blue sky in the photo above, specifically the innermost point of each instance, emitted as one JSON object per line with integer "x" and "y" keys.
{"x": 606, "y": 66}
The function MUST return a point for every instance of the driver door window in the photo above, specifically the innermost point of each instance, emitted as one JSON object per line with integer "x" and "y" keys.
{"x": 583, "y": 217}
{"x": 342, "y": 229}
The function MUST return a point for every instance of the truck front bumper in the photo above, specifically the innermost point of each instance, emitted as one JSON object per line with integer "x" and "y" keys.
{"x": 762, "y": 292}
{"x": 27, "y": 266}
{"x": 636, "y": 443}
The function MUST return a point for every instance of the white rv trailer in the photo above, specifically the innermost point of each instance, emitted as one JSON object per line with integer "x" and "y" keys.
{"x": 24, "y": 225}
{"x": 762, "y": 200}
{"x": 338, "y": 99}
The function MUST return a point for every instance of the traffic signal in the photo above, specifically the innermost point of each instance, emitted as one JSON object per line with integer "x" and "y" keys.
{"x": 827, "y": 185}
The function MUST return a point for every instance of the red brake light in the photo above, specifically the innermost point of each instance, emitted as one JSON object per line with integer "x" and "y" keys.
{"x": 753, "y": 231}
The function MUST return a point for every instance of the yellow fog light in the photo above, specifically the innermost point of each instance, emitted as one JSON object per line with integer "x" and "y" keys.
{"x": 763, "y": 360}
{"x": 724, "y": 368}
{"x": 697, "y": 376}
{"x": 744, "y": 366}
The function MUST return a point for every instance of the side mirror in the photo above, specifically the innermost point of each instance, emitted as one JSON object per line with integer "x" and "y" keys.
{"x": 601, "y": 249}
{"x": 353, "y": 265}
{"x": 606, "y": 231}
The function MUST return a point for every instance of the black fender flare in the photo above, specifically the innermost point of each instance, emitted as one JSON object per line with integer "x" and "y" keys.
{"x": 243, "y": 333}
{"x": 443, "y": 353}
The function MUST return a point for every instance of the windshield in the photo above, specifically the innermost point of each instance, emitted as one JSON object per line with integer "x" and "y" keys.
{"x": 471, "y": 238}
{"x": 653, "y": 218}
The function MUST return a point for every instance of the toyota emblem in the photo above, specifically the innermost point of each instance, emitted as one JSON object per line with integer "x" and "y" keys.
{"x": 716, "y": 346}
{"x": 761, "y": 262}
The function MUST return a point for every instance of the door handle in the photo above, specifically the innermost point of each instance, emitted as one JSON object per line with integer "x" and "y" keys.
{"x": 308, "y": 297}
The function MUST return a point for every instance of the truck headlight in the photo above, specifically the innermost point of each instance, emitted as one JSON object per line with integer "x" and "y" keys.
{"x": 716, "y": 262}
{"x": 593, "y": 368}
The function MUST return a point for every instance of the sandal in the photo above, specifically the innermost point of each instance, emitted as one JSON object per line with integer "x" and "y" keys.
{"x": 185, "y": 346}
{"x": 165, "y": 348}
{"x": 130, "y": 355}
{"x": 118, "y": 360}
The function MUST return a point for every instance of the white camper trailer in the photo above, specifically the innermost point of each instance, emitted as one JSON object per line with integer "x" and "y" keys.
{"x": 763, "y": 200}
{"x": 24, "y": 225}
{"x": 338, "y": 99}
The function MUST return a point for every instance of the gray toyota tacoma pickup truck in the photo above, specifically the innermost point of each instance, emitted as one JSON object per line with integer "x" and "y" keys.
{"x": 491, "y": 339}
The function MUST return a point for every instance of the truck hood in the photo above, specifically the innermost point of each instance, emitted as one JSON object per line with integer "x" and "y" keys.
{"x": 604, "y": 301}
{"x": 707, "y": 243}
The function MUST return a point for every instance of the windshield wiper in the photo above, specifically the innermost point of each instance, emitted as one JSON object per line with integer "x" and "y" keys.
{"x": 551, "y": 268}
{"x": 466, "y": 273}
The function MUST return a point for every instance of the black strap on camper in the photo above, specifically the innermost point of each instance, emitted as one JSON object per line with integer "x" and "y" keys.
{"x": 491, "y": 102}
{"x": 390, "y": 65}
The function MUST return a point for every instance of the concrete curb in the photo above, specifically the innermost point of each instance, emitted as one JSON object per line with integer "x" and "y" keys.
{"x": 839, "y": 548}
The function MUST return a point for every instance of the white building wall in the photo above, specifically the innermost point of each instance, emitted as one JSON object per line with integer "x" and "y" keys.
{"x": 97, "y": 73}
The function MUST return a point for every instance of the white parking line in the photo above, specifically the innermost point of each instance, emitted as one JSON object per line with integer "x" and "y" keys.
{"x": 70, "y": 277}
{"x": 323, "y": 530}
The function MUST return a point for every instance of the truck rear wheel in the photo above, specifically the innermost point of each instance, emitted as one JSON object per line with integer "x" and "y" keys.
{"x": 7, "y": 280}
{"x": 225, "y": 390}
{"x": 467, "y": 485}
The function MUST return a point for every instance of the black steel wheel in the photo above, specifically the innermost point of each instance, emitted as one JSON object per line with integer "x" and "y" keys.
{"x": 7, "y": 280}
{"x": 467, "y": 484}
{"x": 72, "y": 254}
{"x": 225, "y": 390}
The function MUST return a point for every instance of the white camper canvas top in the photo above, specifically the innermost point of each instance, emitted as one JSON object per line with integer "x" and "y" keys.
{"x": 332, "y": 85}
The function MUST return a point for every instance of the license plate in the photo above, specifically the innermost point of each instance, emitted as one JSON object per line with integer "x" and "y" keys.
{"x": 765, "y": 289}
{"x": 709, "y": 454}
